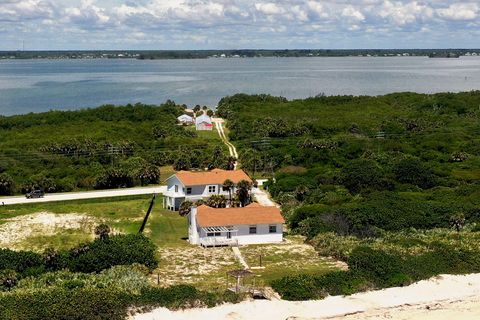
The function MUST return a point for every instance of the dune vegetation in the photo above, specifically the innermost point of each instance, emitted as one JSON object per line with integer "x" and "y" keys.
{"x": 393, "y": 178}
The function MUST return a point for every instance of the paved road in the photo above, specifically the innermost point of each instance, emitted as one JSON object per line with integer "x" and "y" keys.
{"x": 84, "y": 195}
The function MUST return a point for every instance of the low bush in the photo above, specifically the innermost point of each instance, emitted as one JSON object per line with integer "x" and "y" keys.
{"x": 117, "y": 250}
{"x": 79, "y": 303}
{"x": 370, "y": 268}
{"x": 22, "y": 262}
{"x": 65, "y": 304}
{"x": 94, "y": 256}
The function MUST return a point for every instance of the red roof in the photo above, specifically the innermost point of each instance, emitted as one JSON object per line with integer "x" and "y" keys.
{"x": 216, "y": 176}
{"x": 249, "y": 215}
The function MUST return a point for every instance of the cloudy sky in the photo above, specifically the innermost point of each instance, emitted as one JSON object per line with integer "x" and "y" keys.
{"x": 234, "y": 24}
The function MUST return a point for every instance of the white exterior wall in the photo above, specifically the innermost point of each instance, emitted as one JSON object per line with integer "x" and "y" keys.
{"x": 193, "y": 230}
{"x": 172, "y": 182}
{"x": 204, "y": 126}
{"x": 174, "y": 199}
{"x": 262, "y": 235}
{"x": 242, "y": 236}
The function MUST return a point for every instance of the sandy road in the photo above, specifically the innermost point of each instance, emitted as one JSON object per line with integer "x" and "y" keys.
{"x": 231, "y": 148}
{"x": 84, "y": 195}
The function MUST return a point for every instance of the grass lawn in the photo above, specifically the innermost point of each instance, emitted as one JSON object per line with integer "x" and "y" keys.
{"x": 123, "y": 214}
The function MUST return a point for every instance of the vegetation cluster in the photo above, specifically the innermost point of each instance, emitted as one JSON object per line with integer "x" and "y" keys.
{"x": 104, "y": 279}
{"x": 388, "y": 184}
{"x": 106, "y": 147}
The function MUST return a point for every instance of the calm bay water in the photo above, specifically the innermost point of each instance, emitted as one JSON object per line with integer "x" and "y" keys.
{"x": 40, "y": 85}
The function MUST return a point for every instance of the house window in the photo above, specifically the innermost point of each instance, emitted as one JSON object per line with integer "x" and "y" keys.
{"x": 253, "y": 230}
{"x": 272, "y": 229}
{"x": 189, "y": 190}
{"x": 212, "y": 189}
{"x": 176, "y": 188}
{"x": 214, "y": 234}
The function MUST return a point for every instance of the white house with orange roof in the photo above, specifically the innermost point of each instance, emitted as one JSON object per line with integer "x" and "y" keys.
{"x": 253, "y": 224}
{"x": 193, "y": 186}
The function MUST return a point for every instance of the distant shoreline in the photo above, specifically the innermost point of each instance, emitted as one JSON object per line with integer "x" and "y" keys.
{"x": 242, "y": 53}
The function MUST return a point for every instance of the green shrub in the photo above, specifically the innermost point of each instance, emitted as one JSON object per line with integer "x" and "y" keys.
{"x": 117, "y": 250}
{"x": 370, "y": 268}
{"x": 8, "y": 279}
{"x": 298, "y": 287}
{"x": 65, "y": 304}
{"x": 131, "y": 279}
{"x": 375, "y": 264}
{"x": 20, "y": 261}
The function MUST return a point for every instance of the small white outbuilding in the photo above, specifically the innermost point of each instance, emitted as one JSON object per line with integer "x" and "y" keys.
{"x": 204, "y": 122}
{"x": 185, "y": 119}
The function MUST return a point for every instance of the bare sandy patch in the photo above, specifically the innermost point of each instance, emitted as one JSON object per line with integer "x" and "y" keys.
{"x": 42, "y": 224}
{"x": 292, "y": 251}
{"x": 194, "y": 265}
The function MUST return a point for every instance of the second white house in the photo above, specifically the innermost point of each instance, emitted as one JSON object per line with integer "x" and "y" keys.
{"x": 193, "y": 186}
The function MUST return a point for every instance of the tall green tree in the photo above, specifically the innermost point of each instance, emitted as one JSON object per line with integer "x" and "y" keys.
{"x": 7, "y": 185}
{"x": 185, "y": 208}
{"x": 243, "y": 192}
{"x": 217, "y": 201}
{"x": 229, "y": 185}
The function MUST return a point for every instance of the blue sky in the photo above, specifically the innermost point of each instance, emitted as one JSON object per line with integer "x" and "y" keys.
{"x": 235, "y": 24}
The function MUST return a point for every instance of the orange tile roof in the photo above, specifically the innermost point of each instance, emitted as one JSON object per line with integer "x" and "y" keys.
{"x": 216, "y": 176}
{"x": 251, "y": 214}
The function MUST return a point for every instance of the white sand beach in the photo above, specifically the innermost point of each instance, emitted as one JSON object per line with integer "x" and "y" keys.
{"x": 440, "y": 298}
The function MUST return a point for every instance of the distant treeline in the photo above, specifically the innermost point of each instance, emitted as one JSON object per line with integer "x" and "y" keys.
{"x": 202, "y": 54}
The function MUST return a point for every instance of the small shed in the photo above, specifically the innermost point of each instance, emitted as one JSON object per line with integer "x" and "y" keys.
{"x": 185, "y": 119}
{"x": 204, "y": 122}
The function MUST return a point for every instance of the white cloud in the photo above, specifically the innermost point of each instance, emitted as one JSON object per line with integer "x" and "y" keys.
{"x": 269, "y": 8}
{"x": 459, "y": 12}
{"x": 231, "y": 22}
{"x": 24, "y": 10}
{"x": 353, "y": 14}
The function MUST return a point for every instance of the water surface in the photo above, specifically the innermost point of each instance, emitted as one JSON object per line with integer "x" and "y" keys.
{"x": 40, "y": 85}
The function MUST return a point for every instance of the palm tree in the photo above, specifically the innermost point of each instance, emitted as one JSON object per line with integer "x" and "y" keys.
{"x": 102, "y": 231}
{"x": 243, "y": 192}
{"x": 185, "y": 208}
{"x": 231, "y": 163}
{"x": 229, "y": 185}
{"x": 217, "y": 201}
{"x": 300, "y": 192}
{"x": 457, "y": 221}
